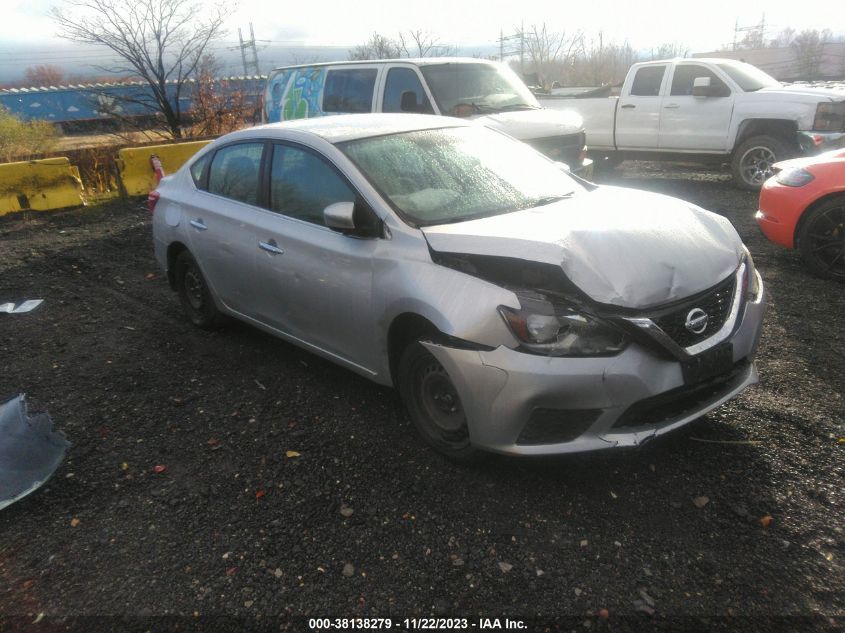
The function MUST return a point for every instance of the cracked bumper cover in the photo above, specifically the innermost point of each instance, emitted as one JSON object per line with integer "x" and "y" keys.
{"x": 501, "y": 388}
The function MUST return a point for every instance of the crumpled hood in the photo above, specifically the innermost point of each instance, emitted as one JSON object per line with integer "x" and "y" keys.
{"x": 804, "y": 90}
{"x": 531, "y": 124}
{"x": 620, "y": 246}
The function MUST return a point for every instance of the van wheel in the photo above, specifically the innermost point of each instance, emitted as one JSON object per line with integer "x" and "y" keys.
{"x": 194, "y": 294}
{"x": 434, "y": 404}
{"x": 752, "y": 161}
{"x": 821, "y": 239}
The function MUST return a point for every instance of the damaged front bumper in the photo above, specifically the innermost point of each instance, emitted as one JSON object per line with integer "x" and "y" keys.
{"x": 812, "y": 143}
{"x": 524, "y": 404}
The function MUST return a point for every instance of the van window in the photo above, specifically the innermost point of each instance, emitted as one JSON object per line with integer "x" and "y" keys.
{"x": 684, "y": 78}
{"x": 349, "y": 90}
{"x": 303, "y": 184}
{"x": 234, "y": 172}
{"x": 399, "y": 81}
{"x": 647, "y": 81}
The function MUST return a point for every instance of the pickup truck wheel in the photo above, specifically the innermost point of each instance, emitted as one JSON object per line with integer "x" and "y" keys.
{"x": 821, "y": 239}
{"x": 194, "y": 294}
{"x": 433, "y": 404}
{"x": 752, "y": 161}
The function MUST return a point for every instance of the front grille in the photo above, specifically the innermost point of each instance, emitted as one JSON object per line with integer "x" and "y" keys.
{"x": 716, "y": 302}
{"x": 566, "y": 148}
{"x": 680, "y": 402}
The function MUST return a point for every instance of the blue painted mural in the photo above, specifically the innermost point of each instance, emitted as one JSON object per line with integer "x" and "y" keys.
{"x": 92, "y": 102}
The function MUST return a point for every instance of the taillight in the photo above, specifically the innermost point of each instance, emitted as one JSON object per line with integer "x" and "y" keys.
{"x": 152, "y": 199}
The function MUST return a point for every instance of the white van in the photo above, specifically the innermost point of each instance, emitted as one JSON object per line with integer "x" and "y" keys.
{"x": 459, "y": 87}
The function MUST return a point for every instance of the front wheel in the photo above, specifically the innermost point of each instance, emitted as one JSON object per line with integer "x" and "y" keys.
{"x": 821, "y": 239}
{"x": 434, "y": 404}
{"x": 752, "y": 161}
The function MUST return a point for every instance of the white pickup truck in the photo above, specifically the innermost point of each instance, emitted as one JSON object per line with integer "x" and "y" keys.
{"x": 709, "y": 110}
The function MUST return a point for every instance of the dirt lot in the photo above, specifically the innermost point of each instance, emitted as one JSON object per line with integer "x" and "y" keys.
{"x": 362, "y": 520}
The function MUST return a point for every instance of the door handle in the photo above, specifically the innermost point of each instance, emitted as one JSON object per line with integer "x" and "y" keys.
{"x": 198, "y": 225}
{"x": 672, "y": 106}
{"x": 271, "y": 247}
{"x": 628, "y": 105}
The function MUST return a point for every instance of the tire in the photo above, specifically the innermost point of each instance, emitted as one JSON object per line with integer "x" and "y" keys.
{"x": 752, "y": 161}
{"x": 821, "y": 239}
{"x": 434, "y": 405}
{"x": 194, "y": 294}
{"x": 607, "y": 164}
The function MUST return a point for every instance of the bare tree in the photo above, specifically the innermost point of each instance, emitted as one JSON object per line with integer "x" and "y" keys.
{"x": 421, "y": 43}
{"x": 784, "y": 38}
{"x": 377, "y": 47}
{"x": 603, "y": 62}
{"x": 809, "y": 47}
{"x": 43, "y": 75}
{"x": 753, "y": 39}
{"x": 551, "y": 53}
{"x": 218, "y": 106}
{"x": 161, "y": 41}
{"x": 670, "y": 50}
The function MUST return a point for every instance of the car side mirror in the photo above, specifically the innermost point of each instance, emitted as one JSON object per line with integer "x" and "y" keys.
{"x": 408, "y": 102}
{"x": 340, "y": 216}
{"x": 701, "y": 87}
{"x": 353, "y": 218}
{"x": 563, "y": 167}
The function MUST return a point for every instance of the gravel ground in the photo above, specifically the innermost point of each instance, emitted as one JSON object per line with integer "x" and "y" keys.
{"x": 292, "y": 487}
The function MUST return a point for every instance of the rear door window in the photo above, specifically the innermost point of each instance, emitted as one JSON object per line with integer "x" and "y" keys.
{"x": 234, "y": 172}
{"x": 349, "y": 90}
{"x": 647, "y": 81}
{"x": 399, "y": 81}
{"x": 303, "y": 184}
{"x": 198, "y": 170}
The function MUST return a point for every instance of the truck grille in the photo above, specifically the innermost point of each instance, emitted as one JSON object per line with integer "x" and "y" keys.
{"x": 566, "y": 148}
{"x": 715, "y": 302}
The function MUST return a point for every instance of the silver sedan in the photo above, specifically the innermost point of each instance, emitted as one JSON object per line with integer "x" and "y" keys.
{"x": 517, "y": 308}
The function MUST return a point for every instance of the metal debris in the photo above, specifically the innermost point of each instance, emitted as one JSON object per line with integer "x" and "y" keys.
{"x": 27, "y": 306}
{"x": 30, "y": 450}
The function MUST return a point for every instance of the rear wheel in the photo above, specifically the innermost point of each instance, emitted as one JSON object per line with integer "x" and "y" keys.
{"x": 821, "y": 239}
{"x": 434, "y": 404}
{"x": 194, "y": 294}
{"x": 752, "y": 161}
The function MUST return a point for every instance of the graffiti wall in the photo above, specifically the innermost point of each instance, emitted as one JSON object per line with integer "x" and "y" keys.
{"x": 295, "y": 94}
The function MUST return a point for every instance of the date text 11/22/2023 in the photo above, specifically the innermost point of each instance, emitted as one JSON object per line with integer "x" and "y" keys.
{"x": 408, "y": 624}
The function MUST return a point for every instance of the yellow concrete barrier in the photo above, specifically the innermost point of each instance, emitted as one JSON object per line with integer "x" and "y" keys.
{"x": 40, "y": 185}
{"x": 136, "y": 173}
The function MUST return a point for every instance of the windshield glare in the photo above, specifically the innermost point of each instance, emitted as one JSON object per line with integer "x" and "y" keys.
{"x": 467, "y": 89}
{"x": 455, "y": 174}
{"x": 748, "y": 77}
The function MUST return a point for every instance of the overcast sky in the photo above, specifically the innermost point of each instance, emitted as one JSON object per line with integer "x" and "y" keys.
{"x": 702, "y": 25}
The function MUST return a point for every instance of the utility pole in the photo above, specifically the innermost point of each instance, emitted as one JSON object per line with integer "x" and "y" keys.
{"x": 758, "y": 29}
{"x": 250, "y": 64}
{"x": 510, "y": 50}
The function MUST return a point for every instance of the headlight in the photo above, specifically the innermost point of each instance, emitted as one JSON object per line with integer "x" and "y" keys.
{"x": 794, "y": 177}
{"x": 543, "y": 328}
{"x": 830, "y": 117}
{"x": 752, "y": 281}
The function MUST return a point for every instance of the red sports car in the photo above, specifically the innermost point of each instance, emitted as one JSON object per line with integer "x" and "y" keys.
{"x": 803, "y": 206}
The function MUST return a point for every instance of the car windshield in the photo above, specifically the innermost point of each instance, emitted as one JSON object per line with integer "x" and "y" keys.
{"x": 748, "y": 77}
{"x": 468, "y": 89}
{"x": 455, "y": 174}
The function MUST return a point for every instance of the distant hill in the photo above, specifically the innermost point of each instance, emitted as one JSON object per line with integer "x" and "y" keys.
{"x": 83, "y": 61}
